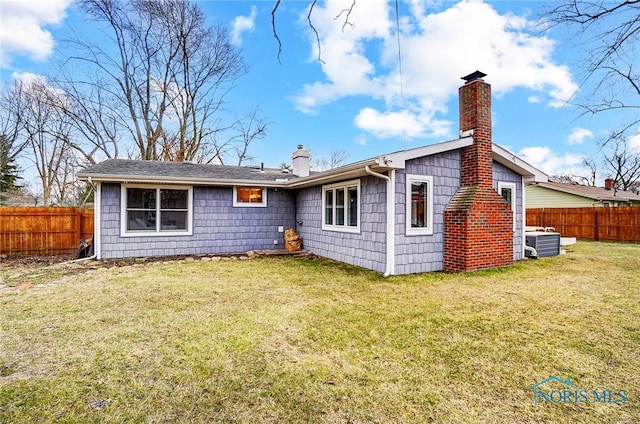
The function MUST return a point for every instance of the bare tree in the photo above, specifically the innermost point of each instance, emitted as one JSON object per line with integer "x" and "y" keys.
{"x": 96, "y": 117}
{"x": 335, "y": 158}
{"x": 621, "y": 163}
{"x": 344, "y": 15}
{"x": 244, "y": 132}
{"x": 46, "y": 133}
{"x": 593, "y": 171}
{"x": 609, "y": 33}
{"x": 569, "y": 179}
{"x": 165, "y": 71}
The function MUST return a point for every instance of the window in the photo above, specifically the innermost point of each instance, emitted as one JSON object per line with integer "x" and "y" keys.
{"x": 419, "y": 205}
{"x": 508, "y": 192}
{"x": 249, "y": 197}
{"x": 341, "y": 206}
{"x": 156, "y": 210}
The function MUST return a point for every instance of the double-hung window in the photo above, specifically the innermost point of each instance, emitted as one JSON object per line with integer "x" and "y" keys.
{"x": 341, "y": 207}
{"x": 508, "y": 192}
{"x": 147, "y": 210}
{"x": 419, "y": 204}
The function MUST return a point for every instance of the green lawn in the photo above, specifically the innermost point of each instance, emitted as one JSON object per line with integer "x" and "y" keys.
{"x": 285, "y": 339}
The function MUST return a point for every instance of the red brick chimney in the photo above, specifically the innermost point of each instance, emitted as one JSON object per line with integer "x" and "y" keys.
{"x": 608, "y": 184}
{"x": 478, "y": 222}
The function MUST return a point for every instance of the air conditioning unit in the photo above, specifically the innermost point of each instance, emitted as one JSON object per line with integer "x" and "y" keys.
{"x": 545, "y": 243}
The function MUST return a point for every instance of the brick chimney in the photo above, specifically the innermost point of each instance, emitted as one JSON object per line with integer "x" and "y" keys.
{"x": 608, "y": 184}
{"x": 301, "y": 161}
{"x": 478, "y": 222}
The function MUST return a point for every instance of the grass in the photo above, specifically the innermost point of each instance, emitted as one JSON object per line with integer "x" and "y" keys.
{"x": 298, "y": 340}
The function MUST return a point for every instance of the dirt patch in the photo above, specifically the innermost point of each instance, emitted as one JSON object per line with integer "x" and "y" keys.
{"x": 15, "y": 261}
{"x": 23, "y": 272}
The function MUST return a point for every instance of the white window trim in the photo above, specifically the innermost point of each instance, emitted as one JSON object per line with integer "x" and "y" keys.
{"x": 512, "y": 186}
{"x": 237, "y": 204}
{"x": 157, "y": 233}
{"x": 424, "y": 231}
{"x": 342, "y": 228}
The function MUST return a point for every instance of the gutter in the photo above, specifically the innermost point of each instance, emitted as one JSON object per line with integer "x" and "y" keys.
{"x": 286, "y": 181}
{"x": 390, "y": 214}
{"x": 144, "y": 179}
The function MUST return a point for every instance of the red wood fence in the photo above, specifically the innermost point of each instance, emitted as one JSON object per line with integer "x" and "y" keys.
{"x": 43, "y": 230}
{"x": 590, "y": 223}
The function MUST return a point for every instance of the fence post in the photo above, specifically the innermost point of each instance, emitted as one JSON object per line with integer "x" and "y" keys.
{"x": 77, "y": 218}
{"x": 597, "y": 229}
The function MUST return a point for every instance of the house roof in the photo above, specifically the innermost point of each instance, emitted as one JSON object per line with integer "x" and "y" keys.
{"x": 595, "y": 193}
{"x": 134, "y": 171}
{"x": 124, "y": 170}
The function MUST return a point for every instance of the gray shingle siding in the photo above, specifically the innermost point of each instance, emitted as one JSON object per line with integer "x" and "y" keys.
{"x": 367, "y": 248}
{"x": 218, "y": 227}
{"x": 502, "y": 173}
{"x": 423, "y": 253}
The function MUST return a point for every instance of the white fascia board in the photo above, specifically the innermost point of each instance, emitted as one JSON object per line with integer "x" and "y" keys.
{"x": 530, "y": 173}
{"x": 342, "y": 173}
{"x": 142, "y": 179}
{"x": 397, "y": 160}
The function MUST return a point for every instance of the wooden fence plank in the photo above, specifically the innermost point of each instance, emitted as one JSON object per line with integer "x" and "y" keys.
{"x": 590, "y": 223}
{"x": 43, "y": 230}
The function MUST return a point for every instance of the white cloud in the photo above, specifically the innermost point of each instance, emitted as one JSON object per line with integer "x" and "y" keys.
{"x": 242, "y": 24}
{"x": 28, "y": 78}
{"x": 578, "y": 135}
{"x": 397, "y": 124}
{"x": 437, "y": 49}
{"x": 361, "y": 140}
{"x": 552, "y": 163}
{"x": 39, "y": 85}
{"x": 634, "y": 142}
{"x": 22, "y": 29}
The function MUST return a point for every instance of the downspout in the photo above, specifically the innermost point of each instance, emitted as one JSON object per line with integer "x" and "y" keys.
{"x": 525, "y": 248}
{"x": 97, "y": 202}
{"x": 523, "y": 230}
{"x": 390, "y": 263}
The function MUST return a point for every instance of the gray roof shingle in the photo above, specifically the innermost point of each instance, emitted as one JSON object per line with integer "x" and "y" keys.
{"x": 120, "y": 169}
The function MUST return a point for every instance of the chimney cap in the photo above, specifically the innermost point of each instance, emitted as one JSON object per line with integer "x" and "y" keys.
{"x": 474, "y": 76}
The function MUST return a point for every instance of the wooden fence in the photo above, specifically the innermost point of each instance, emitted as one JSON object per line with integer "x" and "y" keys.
{"x": 43, "y": 230}
{"x": 590, "y": 223}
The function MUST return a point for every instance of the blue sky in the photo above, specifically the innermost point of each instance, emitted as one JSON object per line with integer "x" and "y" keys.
{"x": 358, "y": 100}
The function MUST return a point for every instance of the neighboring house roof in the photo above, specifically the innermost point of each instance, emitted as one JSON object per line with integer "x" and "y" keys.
{"x": 593, "y": 193}
{"x": 135, "y": 171}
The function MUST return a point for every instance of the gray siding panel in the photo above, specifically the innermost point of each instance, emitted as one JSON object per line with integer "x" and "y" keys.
{"x": 218, "y": 227}
{"x": 502, "y": 173}
{"x": 366, "y": 249}
{"x": 423, "y": 253}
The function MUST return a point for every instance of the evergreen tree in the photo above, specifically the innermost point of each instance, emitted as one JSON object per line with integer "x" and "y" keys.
{"x": 9, "y": 171}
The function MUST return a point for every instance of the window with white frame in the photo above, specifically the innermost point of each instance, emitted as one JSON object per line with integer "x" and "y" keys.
{"x": 341, "y": 206}
{"x": 508, "y": 192}
{"x": 249, "y": 197}
{"x": 419, "y": 204}
{"x": 153, "y": 210}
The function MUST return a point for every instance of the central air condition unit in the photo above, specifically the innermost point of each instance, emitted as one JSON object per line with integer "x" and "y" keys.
{"x": 545, "y": 243}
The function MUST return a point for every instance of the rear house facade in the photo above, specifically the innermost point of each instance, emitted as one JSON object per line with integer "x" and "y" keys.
{"x": 453, "y": 206}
